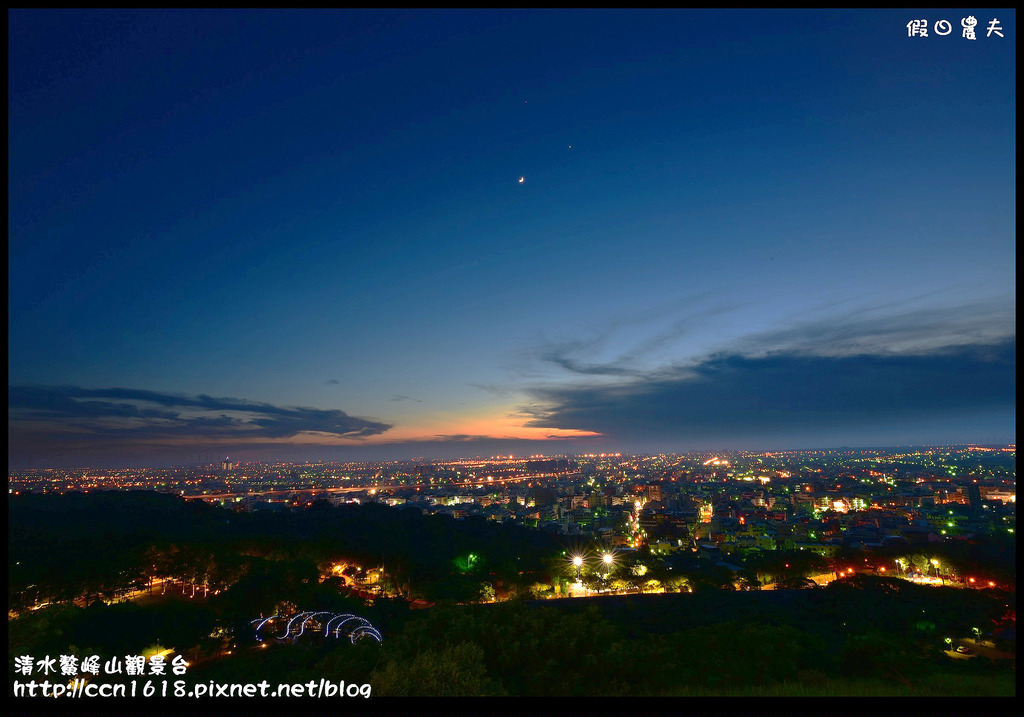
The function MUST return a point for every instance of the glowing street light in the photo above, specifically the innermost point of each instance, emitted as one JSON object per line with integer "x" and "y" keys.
{"x": 578, "y": 562}
{"x": 608, "y": 560}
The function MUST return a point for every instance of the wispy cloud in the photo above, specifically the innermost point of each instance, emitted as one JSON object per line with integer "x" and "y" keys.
{"x": 494, "y": 389}
{"x": 887, "y": 329}
{"x": 625, "y": 345}
{"x": 398, "y": 397}
{"x": 880, "y": 328}
{"x": 142, "y": 415}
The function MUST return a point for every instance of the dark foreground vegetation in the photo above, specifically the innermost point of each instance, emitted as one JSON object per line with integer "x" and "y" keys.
{"x": 101, "y": 545}
{"x": 843, "y": 639}
{"x": 858, "y": 636}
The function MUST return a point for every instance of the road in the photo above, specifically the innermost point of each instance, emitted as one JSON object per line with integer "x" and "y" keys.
{"x": 379, "y": 488}
{"x": 986, "y": 648}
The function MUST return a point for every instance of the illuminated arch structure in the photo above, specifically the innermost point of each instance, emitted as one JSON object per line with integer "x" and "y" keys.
{"x": 289, "y": 628}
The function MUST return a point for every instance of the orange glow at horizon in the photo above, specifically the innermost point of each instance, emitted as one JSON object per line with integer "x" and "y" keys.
{"x": 501, "y": 426}
{"x": 503, "y": 422}
{"x": 486, "y": 423}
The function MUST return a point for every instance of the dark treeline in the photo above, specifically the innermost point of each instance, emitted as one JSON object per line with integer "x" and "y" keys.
{"x": 665, "y": 644}
{"x": 242, "y": 565}
{"x": 861, "y": 605}
{"x": 863, "y": 634}
{"x": 99, "y": 545}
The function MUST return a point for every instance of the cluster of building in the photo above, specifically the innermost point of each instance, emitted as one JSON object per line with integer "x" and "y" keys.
{"x": 726, "y": 504}
{"x": 732, "y": 503}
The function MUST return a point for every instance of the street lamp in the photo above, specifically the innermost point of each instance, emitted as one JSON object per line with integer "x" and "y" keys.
{"x": 607, "y": 558}
{"x": 900, "y": 566}
{"x": 578, "y": 562}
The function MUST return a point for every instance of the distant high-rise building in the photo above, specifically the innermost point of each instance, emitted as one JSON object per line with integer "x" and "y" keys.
{"x": 974, "y": 496}
{"x": 544, "y": 496}
{"x": 707, "y": 511}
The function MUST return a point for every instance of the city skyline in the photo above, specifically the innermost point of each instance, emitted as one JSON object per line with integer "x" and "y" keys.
{"x": 349, "y": 235}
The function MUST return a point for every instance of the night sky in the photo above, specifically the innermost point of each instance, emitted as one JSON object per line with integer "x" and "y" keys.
{"x": 303, "y": 235}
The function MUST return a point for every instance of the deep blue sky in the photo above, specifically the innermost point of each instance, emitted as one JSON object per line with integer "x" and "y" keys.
{"x": 301, "y": 233}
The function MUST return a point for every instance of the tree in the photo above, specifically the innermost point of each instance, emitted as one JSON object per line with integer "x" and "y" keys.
{"x": 921, "y": 561}
{"x": 620, "y": 584}
{"x": 749, "y": 579}
{"x": 784, "y": 567}
{"x": 451, "y": 671}
{"x": 636, "y": 576}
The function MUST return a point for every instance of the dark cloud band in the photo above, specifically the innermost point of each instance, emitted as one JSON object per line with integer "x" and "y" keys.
{"x": 142, "y": 415}
{"x": 738, "y": 395}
